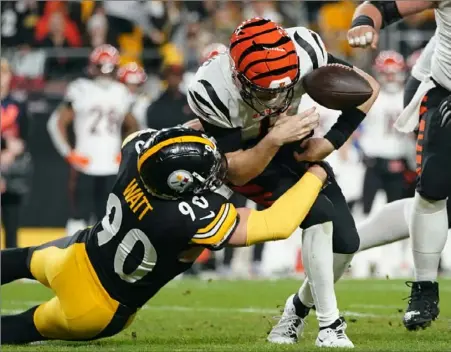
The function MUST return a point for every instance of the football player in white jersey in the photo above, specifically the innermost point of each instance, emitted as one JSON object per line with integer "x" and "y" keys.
{"x": 134, "y": 76}
{"x": 99, "y": 110}
{"x": 385, "y": 149}
{"x": 430, "y": 109}
{"x": 244, "y": 98}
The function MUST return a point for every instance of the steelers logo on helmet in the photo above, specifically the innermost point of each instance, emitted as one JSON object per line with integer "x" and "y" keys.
{"x": 178, "y": 161}
{"x": 265, "y": 64}
{"x": 180, "y": 180}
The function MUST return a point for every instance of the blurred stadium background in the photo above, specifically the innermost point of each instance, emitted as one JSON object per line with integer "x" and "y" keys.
{"x": 47, "y": 44}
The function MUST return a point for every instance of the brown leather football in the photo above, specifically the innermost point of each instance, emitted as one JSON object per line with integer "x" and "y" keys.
{"x": 337, "y": 87}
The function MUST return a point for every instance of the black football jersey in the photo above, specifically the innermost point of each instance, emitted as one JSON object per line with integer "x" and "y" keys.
{"x": 139, "y": 245}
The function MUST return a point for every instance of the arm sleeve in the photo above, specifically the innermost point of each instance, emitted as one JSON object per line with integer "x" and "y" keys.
{"x": 55, "y": 135}
{"x": 281, "y": 219}
{"x": 206, "y": 103}
{"x": 216, "y": 232}
{"x": 309, "y": 47}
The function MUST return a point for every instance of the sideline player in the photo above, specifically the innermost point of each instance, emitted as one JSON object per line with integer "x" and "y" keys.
{"x": 99, "y": 110}
{"x": 167, "y": 204}
{"x": 134, "y": 77}
{"x": 430, "y": 109}
{"x": 252, "y": 89}
{"x": 384, "y": 148}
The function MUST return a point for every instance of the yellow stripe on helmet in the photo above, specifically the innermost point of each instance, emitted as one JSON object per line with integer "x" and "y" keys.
{"x": 183, "y": 139}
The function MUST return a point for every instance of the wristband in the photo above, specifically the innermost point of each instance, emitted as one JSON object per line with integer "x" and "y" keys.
{"x": 346, "y": 124}
{"x": 362, "y": 20}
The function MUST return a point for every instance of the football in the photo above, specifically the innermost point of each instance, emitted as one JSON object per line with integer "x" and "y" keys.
{"x": 337, "y": 87}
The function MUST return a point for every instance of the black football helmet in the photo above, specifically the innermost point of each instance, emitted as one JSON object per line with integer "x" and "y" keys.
{"x": 180, "y": 161}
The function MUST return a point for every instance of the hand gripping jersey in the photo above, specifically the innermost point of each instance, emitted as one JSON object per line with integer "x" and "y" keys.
{"x": 215, "y": 98}
{"x": 143, "y": 242}
{"x": 100, "y": 108}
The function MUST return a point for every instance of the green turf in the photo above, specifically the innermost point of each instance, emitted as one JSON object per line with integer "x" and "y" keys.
{"x": 235, "y": 316}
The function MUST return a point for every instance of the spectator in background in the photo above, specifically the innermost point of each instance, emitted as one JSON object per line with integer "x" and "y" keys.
{"x": 18, "y": 21}
{"x": 15, "y": 163}
{"x": 98, "y": 32}
{"x": 333, "y": 20}
{"x": 171, "y": 108}
{"x": 264, "y": 9}
{"x": 46, "y": 24}
{"x": 57, "y": 63}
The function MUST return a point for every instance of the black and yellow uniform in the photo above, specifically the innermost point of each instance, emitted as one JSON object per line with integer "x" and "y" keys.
{"x": 102, "y": 275}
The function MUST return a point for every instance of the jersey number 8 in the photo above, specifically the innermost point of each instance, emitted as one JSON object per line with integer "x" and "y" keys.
{"x": 132, "y": 237}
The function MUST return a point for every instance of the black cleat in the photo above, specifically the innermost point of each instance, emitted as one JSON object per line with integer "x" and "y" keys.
{"x": 423, "y": 305}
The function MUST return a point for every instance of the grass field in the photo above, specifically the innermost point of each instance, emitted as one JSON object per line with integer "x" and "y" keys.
{"x": 198, "y": 316}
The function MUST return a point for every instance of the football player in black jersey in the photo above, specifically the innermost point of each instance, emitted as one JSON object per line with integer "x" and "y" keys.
{"x": 167, "y": 205}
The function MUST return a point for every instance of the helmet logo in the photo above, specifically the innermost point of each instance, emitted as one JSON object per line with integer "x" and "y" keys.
{"x": 280, "y": 83}
{"x": 180, "y": 180}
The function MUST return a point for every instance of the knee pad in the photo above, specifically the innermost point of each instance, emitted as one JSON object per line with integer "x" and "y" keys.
{"x": 434, "y": 183}
{"x": 321, "y": 212}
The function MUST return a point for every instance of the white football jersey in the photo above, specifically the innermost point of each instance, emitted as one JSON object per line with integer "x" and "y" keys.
{"x": 379, "y": 138}
{"x": 215, "y": 98}
{"x": 441, "y": 60}
{"x": 422, "y": 67}
{"x": 100, "y": 107}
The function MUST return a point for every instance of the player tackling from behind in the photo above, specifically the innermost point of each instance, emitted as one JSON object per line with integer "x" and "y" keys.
{"x": 167, "y": 205}
{"x": 242, "y": 97}
{"x": 430, "y": 109}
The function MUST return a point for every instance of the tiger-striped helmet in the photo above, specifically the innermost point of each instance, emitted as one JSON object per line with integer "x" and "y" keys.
{"x": 266, "y": 65}
{"x": 389, "y": 67}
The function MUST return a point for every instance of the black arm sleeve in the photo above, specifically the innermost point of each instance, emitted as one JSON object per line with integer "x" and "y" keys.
{"x": 228, "y": 139}
{"x": 388, "y": 10}
{"x": 331, "y": 59}
{"x": 345, "y": 126}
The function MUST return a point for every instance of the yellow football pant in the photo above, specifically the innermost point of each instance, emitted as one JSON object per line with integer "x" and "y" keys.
{"x": 81, "y": 309}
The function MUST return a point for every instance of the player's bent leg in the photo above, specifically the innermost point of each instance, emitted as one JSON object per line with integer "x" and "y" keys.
{"x": 387, "y": 225}
{"x": 14, "y": 265}
{"x": 82, "y": 309}
{"x": 429, "y": 221}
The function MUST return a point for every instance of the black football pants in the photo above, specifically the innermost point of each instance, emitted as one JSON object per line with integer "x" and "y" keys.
{"x": 329, "y": 206}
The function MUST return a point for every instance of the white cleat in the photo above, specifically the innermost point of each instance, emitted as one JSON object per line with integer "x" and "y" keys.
{"x": 289, "y": 328}
{"x": 334, "y": 336}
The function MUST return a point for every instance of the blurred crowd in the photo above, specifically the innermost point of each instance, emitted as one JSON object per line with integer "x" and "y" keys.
{"x": 154, "y": 33}
{"x": 161, "y": 45}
